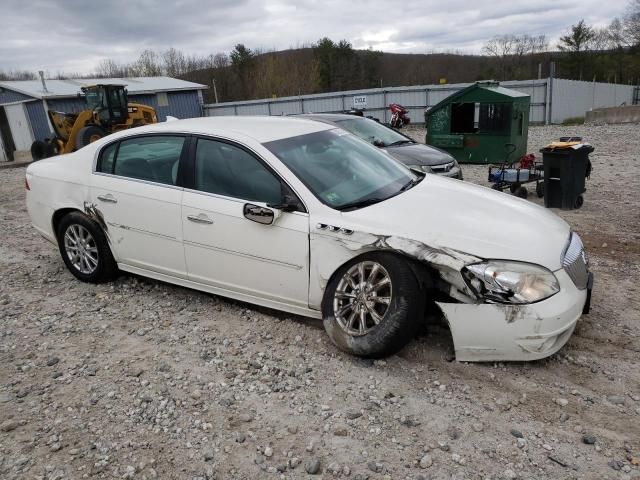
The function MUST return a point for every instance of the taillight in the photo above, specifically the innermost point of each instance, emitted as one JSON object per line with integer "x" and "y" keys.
{"x": 26, "y": 184}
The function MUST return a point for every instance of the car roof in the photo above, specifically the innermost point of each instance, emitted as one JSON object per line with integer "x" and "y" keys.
{"x": 330, "y": 117}
{"x": 260, "y": 128}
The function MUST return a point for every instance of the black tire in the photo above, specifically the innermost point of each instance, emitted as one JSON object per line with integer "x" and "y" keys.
{"x": 89, "y": 134}
{"x": 579, "y": 201}
{"x": 38, "y": 150}
{"x": 522, "y": 192}
{"x": 52, "y": 148}
{"x": 106, "y": 268}
{"x": 401, "y": 320}
{"x": 513, "y": 188}
{"x": 540, "y": 189}
{"x": 496, "y": 186}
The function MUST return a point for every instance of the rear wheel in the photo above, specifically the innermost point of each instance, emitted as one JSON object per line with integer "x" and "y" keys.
{"x": 38, "y": 150}
{"x": 522, "y": 192}
{"x": 87, "y": 135}
{"x": 373, "y": 305}
{"x": 579, "y": 201}
{"x": 85, "y": 250}
{"x": 513, "y": 188}
{"x": 540, "y": 189}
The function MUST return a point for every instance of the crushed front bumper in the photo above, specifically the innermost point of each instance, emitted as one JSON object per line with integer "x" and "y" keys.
{"x": 496, "y": 332}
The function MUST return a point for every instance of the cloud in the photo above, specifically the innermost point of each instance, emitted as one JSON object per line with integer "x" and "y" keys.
{"x": 75, "y": 35}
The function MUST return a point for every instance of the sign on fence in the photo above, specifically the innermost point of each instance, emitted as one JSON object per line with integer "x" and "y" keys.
{"x": 360, "y": 101}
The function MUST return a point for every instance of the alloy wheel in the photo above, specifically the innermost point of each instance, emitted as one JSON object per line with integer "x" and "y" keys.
{"x": 81, "y": 249}
{"x": 362, "y": 297}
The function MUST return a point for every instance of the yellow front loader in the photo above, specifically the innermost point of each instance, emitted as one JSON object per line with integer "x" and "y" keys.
{"x": 108, "y": 111}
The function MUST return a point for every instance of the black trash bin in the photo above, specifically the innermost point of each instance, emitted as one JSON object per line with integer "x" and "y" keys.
{"x": 565, "y": 170}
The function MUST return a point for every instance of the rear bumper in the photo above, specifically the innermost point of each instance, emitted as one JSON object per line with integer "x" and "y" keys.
{"x": 495, "y": 332}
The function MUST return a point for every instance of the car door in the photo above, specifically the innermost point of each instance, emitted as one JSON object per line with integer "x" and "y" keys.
{"x": 135, "y": 190}
{"x": 226, "y": 243}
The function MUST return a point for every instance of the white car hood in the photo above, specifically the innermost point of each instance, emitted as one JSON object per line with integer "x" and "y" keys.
{"x": 479, "y": 221}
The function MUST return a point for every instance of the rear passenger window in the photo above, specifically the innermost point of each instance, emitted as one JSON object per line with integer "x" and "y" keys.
{"x": 231, "y": 171}
{"x": 155, "y": 158}
{"x": 107, "y": 158}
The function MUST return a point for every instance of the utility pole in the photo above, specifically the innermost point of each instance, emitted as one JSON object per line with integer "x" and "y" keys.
{"x": 215, "y": 91}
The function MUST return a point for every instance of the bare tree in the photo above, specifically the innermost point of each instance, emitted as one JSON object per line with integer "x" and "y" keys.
{"x": 175, "y": 63}
{"x": 17, "y": 75}
{"x": 147, "y": 65}
{"x": 632, "y": 22}
{"x": 501, "y": 47}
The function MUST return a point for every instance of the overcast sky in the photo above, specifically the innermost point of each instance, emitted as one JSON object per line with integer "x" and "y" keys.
{"x": 75, "y": 35}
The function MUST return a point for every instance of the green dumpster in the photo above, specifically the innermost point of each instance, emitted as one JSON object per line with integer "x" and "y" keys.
{"x": 475, "y": 123}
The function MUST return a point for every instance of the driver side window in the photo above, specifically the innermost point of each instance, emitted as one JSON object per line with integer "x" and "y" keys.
{"x": 225, "y": 169}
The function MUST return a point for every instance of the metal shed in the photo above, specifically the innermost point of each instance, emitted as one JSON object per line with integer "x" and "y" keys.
{"x": 478, "y": 123}
{"x": 23, "y": 104}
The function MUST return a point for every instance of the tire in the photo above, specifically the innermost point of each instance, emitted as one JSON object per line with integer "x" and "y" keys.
{"x": 522, "y": 192}
{"x": 496, "y": 186}
{"x": 89, "y": 134}
{"x": 540, "y": 189}
{"x": 77, "y": 227}
{"x": 513, "y": 188}
{"x": 52, "y": 148}
{"x": 38, "y": 150}
{"x": 579, "y": 201}
{"x": 397, "y": 322}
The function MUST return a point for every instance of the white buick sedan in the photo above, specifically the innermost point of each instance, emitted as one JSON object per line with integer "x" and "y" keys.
{"x": 300, "y": 216}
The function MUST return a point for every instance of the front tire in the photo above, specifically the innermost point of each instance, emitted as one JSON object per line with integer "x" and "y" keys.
{"x": 373, "y": 305}
{"x": 89, "y": 134}
{"x": 85, "y": 250}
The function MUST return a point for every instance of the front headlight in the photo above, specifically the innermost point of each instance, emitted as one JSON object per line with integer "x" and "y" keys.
{"x": 421, "y": 168}
{"x": 511, "y": 282}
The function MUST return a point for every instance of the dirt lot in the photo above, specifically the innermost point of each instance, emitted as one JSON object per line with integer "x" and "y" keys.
{"x": 140, "y": 379}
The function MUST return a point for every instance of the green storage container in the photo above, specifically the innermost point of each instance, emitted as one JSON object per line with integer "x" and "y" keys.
{"x": 475, "y": 123}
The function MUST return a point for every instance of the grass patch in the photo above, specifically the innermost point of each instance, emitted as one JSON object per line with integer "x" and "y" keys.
{"x": 573, "y": 121}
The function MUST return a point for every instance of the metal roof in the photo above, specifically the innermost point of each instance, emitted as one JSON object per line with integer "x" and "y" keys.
{"x": 71, "y": 87}
{"x": 489, "y": 85}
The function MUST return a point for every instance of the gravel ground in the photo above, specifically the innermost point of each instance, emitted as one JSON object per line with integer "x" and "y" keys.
{"x": 141, "y": 379}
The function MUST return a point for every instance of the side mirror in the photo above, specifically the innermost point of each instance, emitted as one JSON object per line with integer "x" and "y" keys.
{"x": 289, "y": 203}
{"x": 259, "y": 214}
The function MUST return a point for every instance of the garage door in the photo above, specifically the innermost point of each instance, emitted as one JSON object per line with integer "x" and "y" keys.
{"x": 20, "y": 128}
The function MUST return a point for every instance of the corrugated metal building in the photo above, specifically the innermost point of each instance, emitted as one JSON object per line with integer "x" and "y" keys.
{"x": 23, "y": 104}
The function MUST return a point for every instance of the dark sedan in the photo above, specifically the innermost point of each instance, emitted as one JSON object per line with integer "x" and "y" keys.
{"x": 413, "y": 154}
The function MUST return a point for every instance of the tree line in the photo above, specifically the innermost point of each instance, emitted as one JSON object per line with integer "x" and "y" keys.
{"x": 584, "y": 52}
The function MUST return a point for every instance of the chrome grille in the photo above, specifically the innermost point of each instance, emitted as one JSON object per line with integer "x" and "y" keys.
{"x": 575, "y": 262}
{"x": 442, "y": 168}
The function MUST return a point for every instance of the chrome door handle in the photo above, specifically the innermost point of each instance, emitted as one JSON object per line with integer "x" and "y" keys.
{"x": 202, "y": 218}
{"x": 107, "y": 198}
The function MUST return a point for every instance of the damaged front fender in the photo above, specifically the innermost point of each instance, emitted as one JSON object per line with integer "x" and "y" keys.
{"x": 332, "y": 243}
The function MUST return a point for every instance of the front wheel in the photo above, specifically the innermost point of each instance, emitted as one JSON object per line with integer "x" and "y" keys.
{"x": 89, "y": 134}
{"x": 373, "y": 305}
{"x": 85, "y": 250}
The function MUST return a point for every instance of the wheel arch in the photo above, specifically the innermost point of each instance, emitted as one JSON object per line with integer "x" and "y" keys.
{"x": 58, "y": 215}
{"x": 89, "y": 211}
{"x": 425, "y": 274}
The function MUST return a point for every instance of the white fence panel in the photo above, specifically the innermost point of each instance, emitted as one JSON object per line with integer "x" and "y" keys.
{"x": 573, "y": 98}
{"x": 569, "y": 99}
{"x": 314, "y": 105}
{"x": 253, "y": 109}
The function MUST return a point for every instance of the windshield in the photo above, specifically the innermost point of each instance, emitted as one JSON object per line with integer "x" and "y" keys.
{"x": 341, "y": 170}
{"x": 94, "y": 98}
{"x": 372, "y": 131}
